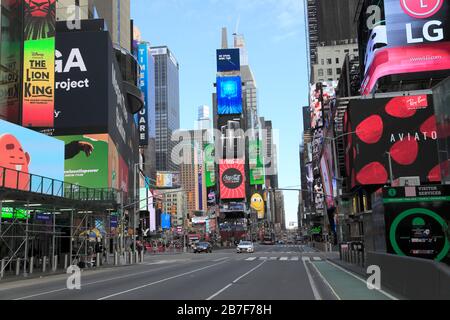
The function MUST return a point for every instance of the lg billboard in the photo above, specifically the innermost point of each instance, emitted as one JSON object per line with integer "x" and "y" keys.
{"x": 404, "y": 38}
{"x": 401, "y": 129}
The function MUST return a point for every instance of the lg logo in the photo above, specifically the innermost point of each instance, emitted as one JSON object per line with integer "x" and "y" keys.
{"x": 422, "y": 9}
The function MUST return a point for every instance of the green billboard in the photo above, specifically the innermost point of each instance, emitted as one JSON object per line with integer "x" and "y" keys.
{"x": 209, "y": 163}
{"x": 257, "y": 176}
{"x": 86, "y": 160}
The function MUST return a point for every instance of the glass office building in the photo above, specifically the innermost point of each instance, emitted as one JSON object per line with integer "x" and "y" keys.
{"x": 167, "y": 103}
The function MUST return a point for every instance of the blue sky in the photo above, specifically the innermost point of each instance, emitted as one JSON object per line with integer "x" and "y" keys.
{"x": 274, "y": 31}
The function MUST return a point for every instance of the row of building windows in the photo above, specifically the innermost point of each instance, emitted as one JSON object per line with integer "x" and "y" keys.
{"x": 329, "y": 72}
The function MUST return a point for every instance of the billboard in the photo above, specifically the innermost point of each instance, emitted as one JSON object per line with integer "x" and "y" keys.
{"x": 410, "y": 38}
{"x": 256, "y": 162}
{"x": 87, "y": 160}
{"x": 210, "y": 167}
{"x": 257, "y": 203}
{"x": 165, "y": 221}
{"x": 229, "y": 95}
{"x": 316, "y": 107}
{"x": 144, "y": 85}
{"x": 417, "y": 221}
{"x": 166, "y": 179}
{"x": 38, "y": 100}
{"x": 228, "y": 60}
{"x": 232, "y": 179}
{"x": 327, "y": 181}
{"x": 403, "y": 127}
{"x": 26, "y": 151}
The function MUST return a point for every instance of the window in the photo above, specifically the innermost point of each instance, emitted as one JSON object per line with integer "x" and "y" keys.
{"x": 329, "y": 61}
{"x": 337, "y": 60}
{"x": 322, "y": 61}
{"x": 338, "y": 71}
{"x": 329, "y": 72}
{"x": 320, "y": 72}
{"x": 355, "y": 50}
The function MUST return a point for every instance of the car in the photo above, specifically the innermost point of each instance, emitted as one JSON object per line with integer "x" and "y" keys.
{"x": 202, "y": 247}
{"x": 245, "y": 246}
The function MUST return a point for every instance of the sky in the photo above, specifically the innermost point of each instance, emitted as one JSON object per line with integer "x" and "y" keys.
{"x": 274, "y": 32}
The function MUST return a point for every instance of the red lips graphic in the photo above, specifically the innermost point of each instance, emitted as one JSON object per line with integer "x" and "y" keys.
{"x": 370, "y": 130}
{"x": 373, "y": 173}
{"x": 435, "y": 174}
{"x": 405, "y": 152}
{"x": 429, "y": 126}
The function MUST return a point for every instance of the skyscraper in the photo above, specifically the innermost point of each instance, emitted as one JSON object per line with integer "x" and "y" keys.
{"x": 204, "y": 118}
{"x": 167, "y": 106}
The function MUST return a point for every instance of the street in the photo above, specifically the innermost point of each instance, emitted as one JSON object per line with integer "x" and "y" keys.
{"x": 282, "y": 272}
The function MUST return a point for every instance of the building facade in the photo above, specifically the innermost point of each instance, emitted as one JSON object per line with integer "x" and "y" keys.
{"x": 167, "y": 106}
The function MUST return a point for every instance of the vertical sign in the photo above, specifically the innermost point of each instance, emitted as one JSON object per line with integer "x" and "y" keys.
{"x": 143, "y": 53}
{"x": 39, "y": 64}
{"x": 257, "y": 176}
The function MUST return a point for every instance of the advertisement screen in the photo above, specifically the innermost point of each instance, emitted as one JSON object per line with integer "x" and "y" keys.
{"x": 417, "y": 222}
{"x": 228, "y": 60}
{"x": 316, "y": 108}
{"x": 144, "y": 85}
{"x": 152, "y": 211}
{"x": 413, "y": 38}
{"x": 39, "y": 63}
{"x": 210, "y": 167}
{"x": 256, "y": 162}
{"x": 124, "y": 171}
{"x": 402, "y": 127}
{"x": 86, "y": 161}
{"x": 229, "y": 95}
{"x": 167, "y": 179}
{"x": 165, "y": 221}
{"x": 81, "y": 88}
{"x": 257, "y": 203}
{"x": 25, "y": 152}
{"x": 327, "y": 182}
{"x": 232, "y": 179}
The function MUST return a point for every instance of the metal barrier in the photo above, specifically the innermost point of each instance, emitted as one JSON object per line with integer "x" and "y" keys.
{"x": 353, "y": 253}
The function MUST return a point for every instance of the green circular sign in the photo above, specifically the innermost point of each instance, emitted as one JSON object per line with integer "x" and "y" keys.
{"x": 392, "y": 193}
{"x": 428, "y": 213}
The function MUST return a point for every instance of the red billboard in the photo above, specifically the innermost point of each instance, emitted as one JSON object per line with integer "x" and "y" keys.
{"x": 402, "y": 128}
{"x": 232, "y": 179}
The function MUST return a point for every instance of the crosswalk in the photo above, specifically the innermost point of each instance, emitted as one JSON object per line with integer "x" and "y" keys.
{"x": 283, "y": 259}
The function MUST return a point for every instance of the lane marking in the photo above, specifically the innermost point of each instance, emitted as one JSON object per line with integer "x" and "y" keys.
{"x": 295, "y": 259}
{"x": 234, "y": 282}
{"x": 311, "y": 280}
{"x": 317, "y": 259}
{"x": 251, "y": 259}
{"x": 284, "y": 259}
{"x": 217, "y": 260}
{"x": 94, "y": 282}
{"x": 273, "y": 258}
{"x": 160, "y": 281}
{"x": 262, "y": 258}
{"x": 362, "y": 280}
{"x": 326, "y": 281}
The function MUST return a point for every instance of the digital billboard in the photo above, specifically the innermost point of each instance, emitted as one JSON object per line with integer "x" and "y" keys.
{"x": 257, "y": 203}
{"x": 316, "y": 107}
{"x": 210, "y": 167}
{"x": 417, "y": 222}
{"x": 256, "y": 162}
{"x": 229, "y": 95}
{"x": 86, "y": 161}
{"x": 28, "y": 152}
{"x": 232, "y": 179}
{"x": 38, "y": 100}
{"x": 165, "y": 221}
{"x": 144, "y": 85}
{"x": 327, "y": 181}
{"x": 228, "y": 60}
{"x": 402, "y": 128}
{"x": 405, "y": 37}
{"x": 166, "y": 179}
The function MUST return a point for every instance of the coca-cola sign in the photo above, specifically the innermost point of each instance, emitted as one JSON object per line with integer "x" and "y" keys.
{"x": 232, "y": 179}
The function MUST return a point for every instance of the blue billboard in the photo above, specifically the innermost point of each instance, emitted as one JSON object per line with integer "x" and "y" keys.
{"x": 229, "y": 95}
{"x": 228, "y": 60}
{"x": 142, "y": 116}
{"x": 165, "y": 221}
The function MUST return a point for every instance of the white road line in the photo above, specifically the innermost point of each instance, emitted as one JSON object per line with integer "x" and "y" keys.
{"x": 284, "y": 259}
{"x": 262, "y": 258}
{"x": 317, "y": 259}
{"x": 217, "y": 260}
{"x": 94, "y": 282}
{"x": 251, "y": 259}
{"x": 295, "y": 259}
{"x": 311, "y": 280}
{"x": 235, "y": 281}
{"x": 326, "y": 281}
{"x": 160, "y": 281}
{"x": 361, "y": 279}
{"x": 273, "y": 258}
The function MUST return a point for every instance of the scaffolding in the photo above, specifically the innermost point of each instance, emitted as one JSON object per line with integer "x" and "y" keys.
{"x": 49, "y": 224}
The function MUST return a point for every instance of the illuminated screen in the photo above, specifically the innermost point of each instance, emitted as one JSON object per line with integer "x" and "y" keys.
{"x": 229, "y": 95}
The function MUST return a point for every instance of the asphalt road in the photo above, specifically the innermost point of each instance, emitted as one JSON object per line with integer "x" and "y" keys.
{"x": 272, "y": 273}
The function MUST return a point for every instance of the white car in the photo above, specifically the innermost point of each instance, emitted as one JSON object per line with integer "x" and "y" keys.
{"x": 245, "y": 246}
